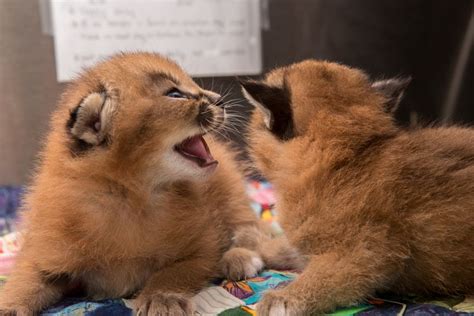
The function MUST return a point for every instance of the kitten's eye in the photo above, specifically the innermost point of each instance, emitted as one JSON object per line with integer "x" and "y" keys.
{"x": 175, "y": 93}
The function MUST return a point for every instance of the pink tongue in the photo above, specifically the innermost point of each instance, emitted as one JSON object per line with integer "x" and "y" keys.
{"x": 196, "y": 146}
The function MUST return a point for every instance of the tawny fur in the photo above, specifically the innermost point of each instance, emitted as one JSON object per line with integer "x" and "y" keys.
{"x": 373, "y": 207}
{"x": 111, "y": 211}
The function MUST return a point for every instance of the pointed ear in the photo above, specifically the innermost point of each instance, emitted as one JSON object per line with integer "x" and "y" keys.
{"x": 393, "y": 90}
{"x": 274, "y": 103}
{"x": 90, "y": 120}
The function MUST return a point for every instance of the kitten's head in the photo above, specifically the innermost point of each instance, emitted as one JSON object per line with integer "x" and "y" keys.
{"x": 317, "y": 100}
{"x": 139, "y": 114}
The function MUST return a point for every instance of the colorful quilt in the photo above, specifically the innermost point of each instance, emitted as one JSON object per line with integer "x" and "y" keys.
{"x": 224, "y": 298}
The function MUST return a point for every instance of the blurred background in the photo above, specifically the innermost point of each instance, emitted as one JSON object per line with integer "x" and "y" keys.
{"x": 431, "y": 40}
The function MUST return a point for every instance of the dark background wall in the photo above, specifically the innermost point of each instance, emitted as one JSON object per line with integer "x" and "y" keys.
{"x": 421, "y": 38}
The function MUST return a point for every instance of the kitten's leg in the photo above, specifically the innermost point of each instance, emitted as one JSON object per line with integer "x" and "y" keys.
{"x": 331, "y": 280}
{"x": 29, "y": 290}
{"x": 169, "y": 290}
{"x": 253, "y": 249}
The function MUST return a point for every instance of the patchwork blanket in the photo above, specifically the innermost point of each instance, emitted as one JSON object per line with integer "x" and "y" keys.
{"x": 224, "y": 297}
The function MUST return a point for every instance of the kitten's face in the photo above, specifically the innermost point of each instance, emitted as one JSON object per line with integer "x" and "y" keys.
{"x": 141, "y": 111}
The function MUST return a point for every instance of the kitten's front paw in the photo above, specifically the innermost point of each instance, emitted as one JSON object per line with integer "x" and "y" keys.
{"x": 241, "y": 263}
{"x": 279, "y": 303}
{"x": 163, "y": 304}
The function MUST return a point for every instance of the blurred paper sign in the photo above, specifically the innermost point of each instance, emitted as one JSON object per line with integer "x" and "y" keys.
{"x": 206, "y": 37}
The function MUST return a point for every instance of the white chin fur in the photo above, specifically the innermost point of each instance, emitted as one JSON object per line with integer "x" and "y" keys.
{"x": 175, "y": 167}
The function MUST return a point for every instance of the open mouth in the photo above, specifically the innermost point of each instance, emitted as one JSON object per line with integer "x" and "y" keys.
{"x": 195, "y": 149}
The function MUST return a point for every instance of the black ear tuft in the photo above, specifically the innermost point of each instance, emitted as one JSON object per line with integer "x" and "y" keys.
{"x": 275, "y": 103}
{"x": 393, "y": 90}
